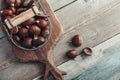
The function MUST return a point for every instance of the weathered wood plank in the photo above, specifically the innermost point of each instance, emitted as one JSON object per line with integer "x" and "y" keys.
{"x": 108, "y": 67}
{"x": 88, "y": 29}
{"x": 94, "y": 30}
{"x": 104, "y": 55}
{"x": 59, "y": 4}
{"x": 83, "y": 11}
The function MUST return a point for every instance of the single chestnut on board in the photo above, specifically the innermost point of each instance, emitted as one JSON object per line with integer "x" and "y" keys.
{"x": 77, "y": 40}
{"x": 72, "y": 54}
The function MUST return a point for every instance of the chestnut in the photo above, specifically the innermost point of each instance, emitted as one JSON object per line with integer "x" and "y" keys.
{"x": 40, "y": 40}
{"x": 23, "y": 32}
{"x": 45, "y": 32}
{"x": 72, "y": 54}
{"x": 87, "y": 51}
{"x": 10, "y": 2}
{"x": 77, "y": 40}
{"x": 14, "y": 30}
{"x": 42, "y": 23}
{"x": 19, "y": 10}
{"x": 34, "y": 29}
{"x": 40, "y": 17}
{"x": 27, "y": 42}
{"x": 16, "y": 38}
{"x": 30, "y": 21}
{"x": 13, "y": 9}
{"x": 18, "y": 3}
{"x": 7, "y": 12}
{"x": 7, "y": 17}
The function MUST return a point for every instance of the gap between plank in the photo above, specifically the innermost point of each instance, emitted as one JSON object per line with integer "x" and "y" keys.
{"x": 65, "y": 5}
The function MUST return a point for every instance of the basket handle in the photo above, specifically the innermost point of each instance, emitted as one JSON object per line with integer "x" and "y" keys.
{"x": 23, "y": 17}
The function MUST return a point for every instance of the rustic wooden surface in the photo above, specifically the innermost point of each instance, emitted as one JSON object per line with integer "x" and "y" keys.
{"x": 96, "y": 21}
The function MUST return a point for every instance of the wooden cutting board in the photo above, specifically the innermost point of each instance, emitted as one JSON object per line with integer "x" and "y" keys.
{"x": 46, "y": 50}
{"x": 55, "y": 36}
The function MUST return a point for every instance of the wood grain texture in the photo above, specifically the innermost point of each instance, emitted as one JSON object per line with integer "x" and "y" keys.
{"x": 102, "y": 65}
{"x": 108, "y": 67}
{"x": 93, "y": 29}
{"x": 96, "y": 18}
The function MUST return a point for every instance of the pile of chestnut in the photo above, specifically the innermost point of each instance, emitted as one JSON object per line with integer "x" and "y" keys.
{"x": 15, "y": 7}
{"x": 31, "y": 33}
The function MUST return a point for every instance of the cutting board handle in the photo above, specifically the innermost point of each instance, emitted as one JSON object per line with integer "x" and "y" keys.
{"x": 54, "y": 71}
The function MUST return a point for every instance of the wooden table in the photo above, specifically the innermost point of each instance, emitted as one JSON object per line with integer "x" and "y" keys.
{"x": 97, "y": 21}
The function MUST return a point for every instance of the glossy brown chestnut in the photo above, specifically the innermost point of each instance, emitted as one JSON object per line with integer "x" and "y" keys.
{"x": 16, "y": 38}
{"x": 7, "y": 12}
{"x": 87, "y": 51}
{"x": 10, "y": 2}
{"x": 45, "y": 33}
{"x": 42, "y": 23}
{"x": 30, "y": 21}
{"x": 18, "y": 3}
{"x": 72, "y": 54}
{"x": 15, "y": 30}
{"x": 77, "y": 40}
{"x": 40, "y": 40}
{"x": 13, "y": 9}
{"x": 23, "y": 32}
{"x": 27, "y": 42}
{"x": 34, "y": 29}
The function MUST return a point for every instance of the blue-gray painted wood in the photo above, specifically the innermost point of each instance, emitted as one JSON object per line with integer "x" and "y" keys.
{"x": 106, "y": 69}
{"x": 1, "y": 34}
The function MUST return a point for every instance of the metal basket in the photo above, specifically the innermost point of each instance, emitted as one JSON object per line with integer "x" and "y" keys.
{"x": 9, "y": 35}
